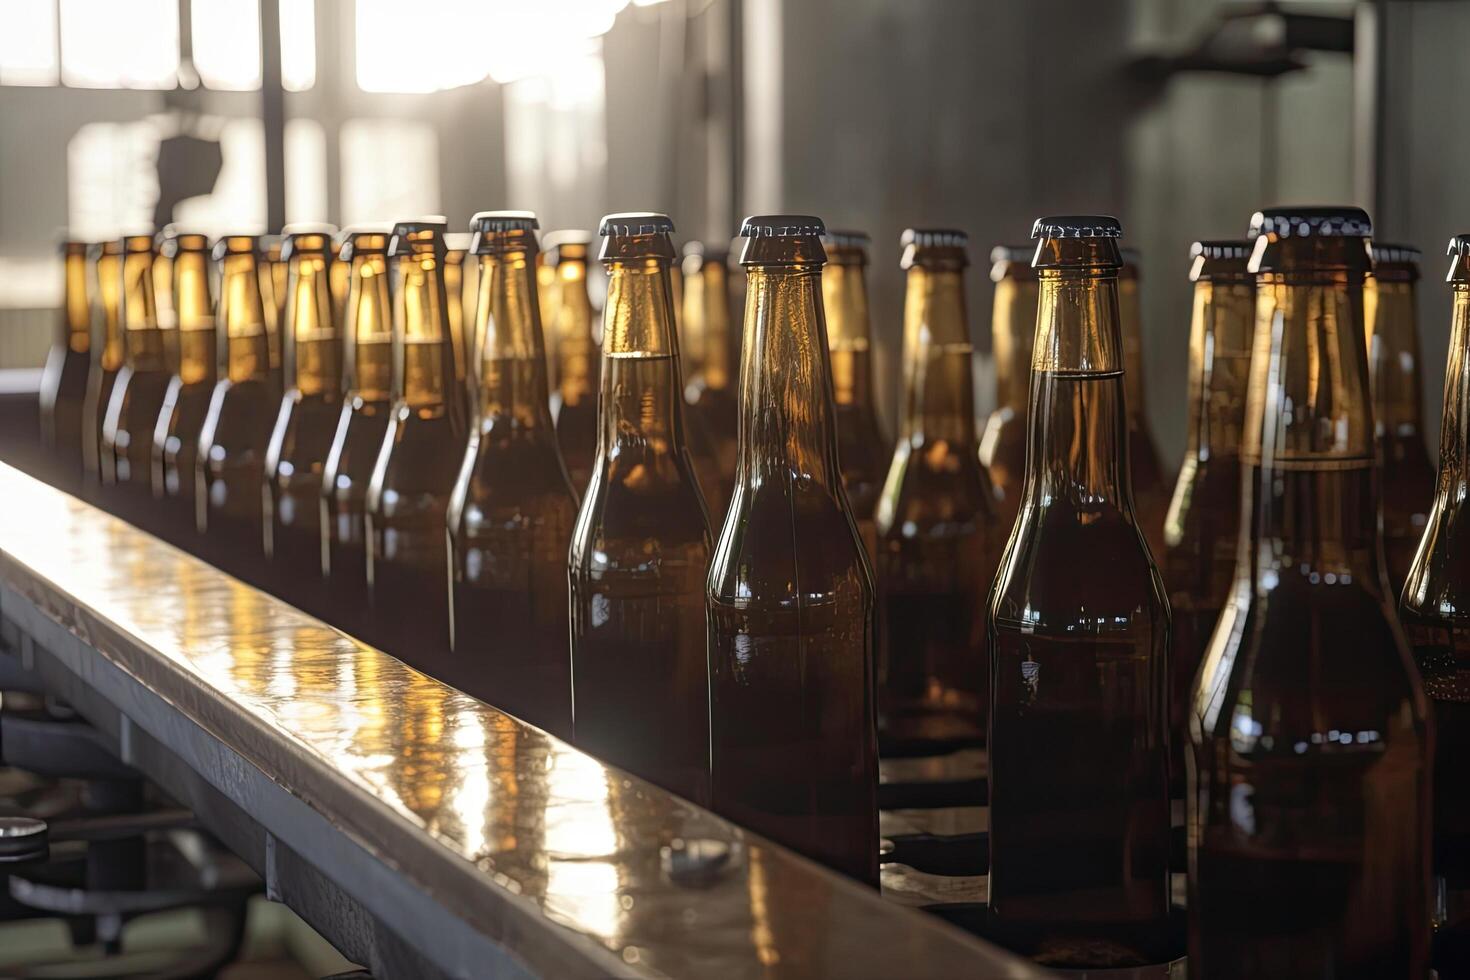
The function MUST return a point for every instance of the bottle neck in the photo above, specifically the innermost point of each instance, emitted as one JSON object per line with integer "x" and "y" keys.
{"x": 1454, "y": 430}
{"x": 1390, "y": 311}
{"x": 707, "y": 323}
{"x": 142, "y": 340}
{"x": 242, "y": 320}
{"x": 369, "y": 318}
{"x": 786, "y": 414}
{"x": 314, "y": 350}
{"x": 425, "y": 379}
{"x": 849, "y": 332}
{"x": 1013, "y": 329}
{"x": 1130, "y": 321}
{"x": 641, "y": 402}
{"x": 575, "y": 350}
{"x": 198, "y": 352}
{"x": 109, "y": 290}
{"x": 74, "y": 330}
{"x": 513, "y": 385}
{"x": 1219, "y": 366}
{"x": 939, "y": 401}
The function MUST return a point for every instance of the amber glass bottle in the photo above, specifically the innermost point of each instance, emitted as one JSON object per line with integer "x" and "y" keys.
{"x": 229, "y": 471}
{"x": 340, "y": 276}
{"x": 937, "y": 538}
{"x": 862, "y": 449}
{"x": 137, "y": 394}
{"x": 1151, "y": 485}
{"x": 709, "y": 390}
{"x": 1203, "y": 529}
{"x": 64, "y": 381}
{"x": 511, "y": 512}
{"x": 461, "y": 329}
{"x": 272, "y": 269}
{"x": 1391, "y": 316}
{"x": 1310, "y": 770}
{"x": 163, "y": 295}
{"x": 106, "y": 353}
{"x": 1012, "y": 329}
{"x": 574, "y": 403}
{"x": 1079, "y": 639}
{"x": 420, "y": 457}
{"x": 793, "y": 745}
{"x": 1435, "y": 609}
{"x": 190, "y": 389}
{"x": 361, "y": 426}
{"x": 641, "y": 545}
{"x": 306, "y": 421}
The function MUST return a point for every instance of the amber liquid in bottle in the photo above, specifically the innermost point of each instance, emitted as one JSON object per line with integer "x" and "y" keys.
{"x": 1435, "y": 610}
{"x": 512, "y": 509}
{"x": 641, "y": 545}
{"x": 106, "y": 356}
{"x": 1202, "y": 532}
{"x": 272, "y": 270}
{"x": 464, "y": 340}
{"x": 1309, "y": 771}
{"x": 64, "y": 380}
{"x": 709, "y": 391}
{"x": 190, "y": 389}
{"x": 419, "y": 459}
{"x": 1079, "y": 805}
{"x": 1012, "y": 329}
{"x": 936, "y": 532}
{"x": 862, "y": 449}
{"x": 306, "y": 423}
{"x": 361, "y": 425}
{"x": 793, "y": 744}
{"x": 574, "y": 403}
{"x": 229, "y": 471}
{"x": 1391, "y": 316}
{"x": 1151, "y": 485}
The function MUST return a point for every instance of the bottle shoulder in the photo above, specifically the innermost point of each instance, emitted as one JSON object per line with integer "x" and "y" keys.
{"x": 1438, "y": 584}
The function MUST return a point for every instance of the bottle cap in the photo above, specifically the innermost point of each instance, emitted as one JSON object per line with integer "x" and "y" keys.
{"x": 1011, "y": 262}
{"x": 940, "y": 247}
{"x": 1077, "y": 226}
{"x": 365, "y": 239}
{"x": 1077, "y": 241}
{"x": 236, "y": 245}
{"x": 1307, "y": 239}
{"x": 628, "y": 223}
{"x": 1459, "y": 252}
{"x": 492, "y": 231}
{"x": 782, "y": 226}
{"x": 1387, "y": 254}
{"x": 1312, "y": 222}
{"x": 636, "y": 235}
{"x": 782, "y": 239}
{"x": 1219, "y": 259}
{"x": 419, "y": 236}
{"x": 847, "y": 247}
{"x": 175, "y": 241}
{"x": 934, "y": 238}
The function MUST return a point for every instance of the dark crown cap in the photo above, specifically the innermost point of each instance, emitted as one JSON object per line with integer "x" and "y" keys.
{"x": 782, "y": 226}
{"x": 1217, "y": 249}
{"x": 489, "y": 227}
{"x": 848, "y": 239}
{"x": 1012, "y": 253}
{"x": 1459, "y": 245}
{"x": 636, "y": 223}
{"x": 934, "y": 238}
{"x": 1077, "y": 226}
{"x": 1384, "y": 252}
{"x": 1308, "y": 222}
{"x": 492, "y": 221}
{"x": 402, "y": 242}
{"x": 565, "y": 236}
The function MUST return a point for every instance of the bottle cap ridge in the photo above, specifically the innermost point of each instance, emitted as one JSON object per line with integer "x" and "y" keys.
{"x": 848, "y": 239}
{"x": 1308, "y": 222}
{"x": 1222, "y": 258}
{"x": 504, "y": 221}
{"x": 1077, "y": 226}
{"x": 411, "y": 236}
{"x": 490, "y": 227}
{"x": 636, "y": 223}
{"x": 934, "y": 238}
{"x": 782, "y": 226}
{"x": 1392, "y": 254}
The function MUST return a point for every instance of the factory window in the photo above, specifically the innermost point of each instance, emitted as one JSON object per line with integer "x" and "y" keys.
{"x": 226, "y": 36}
{"x": 111, "y": 181}
{"x": 28, "y": 43}
{"x": 107, "y": 44}
{"x": 373, "y": 191}
{"x": 432, "y": 48}
{"x": 306, "y": 170}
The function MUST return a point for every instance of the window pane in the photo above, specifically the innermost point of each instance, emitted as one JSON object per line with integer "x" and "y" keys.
{"x": 390, "y": 170}
{"x": 108, "y": 44}
{"x": 238, "y": 201}
{"x": 227, "y": 43}
{"x": 298, "y": 44}
{"x": 111, "y": 180}
{"x": 427, "y": 48}
{"x": 306, "y": 171}
{"x": 28, "y": 43}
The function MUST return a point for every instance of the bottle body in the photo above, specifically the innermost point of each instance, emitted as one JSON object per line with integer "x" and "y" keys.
{"x": 1012, "y": 329}
{"x": 574, "y": 403}
{"x": 64, "y": 378}
{"x": 1151, "y": 484}
{"x": 709, "y": 390}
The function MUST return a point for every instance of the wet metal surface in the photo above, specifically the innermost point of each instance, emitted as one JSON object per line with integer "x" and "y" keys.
{"x": 555, "y": 856}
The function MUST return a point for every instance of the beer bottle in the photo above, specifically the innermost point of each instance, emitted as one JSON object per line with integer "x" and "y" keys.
{"x": 229, "y": 471}
{"x": 163, "y": 295}
{"x": 1435, "y": 610}
{"x": 361, "y": 425}
{"x": 1012, "y": 329}
{"x": 574, "y": 403}
{"x": 64, "y": 381}
{"x": 547, "y": 298}
{"x": 511, "y": 512}
{"x": 1150, "y": 485}
{"x": 456, "y": 247}
{"x": 641, "y": 545}
{"x": 936, "y": 532}
{"x": 1309, "y": 781}
{"x": 306, "y": 421}
{"x": 709, "y": 392}
{"x": 339, "y": 277}
{"x": 1391, "y": 316}
{"x": 1203, "y": 528}
{"x": 106, "y": 352}
{"x": 1079, "y": 639}
{"x": 862, "y": 449}
{"x": 420, "y": 456}
{"x": 272, "y": 268}
{"x": 137, "y": 394}
{"x": 190, "y": 388}
{"x": 793, "y": 747}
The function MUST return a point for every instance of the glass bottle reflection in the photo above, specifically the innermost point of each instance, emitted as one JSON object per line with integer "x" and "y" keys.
{"x": 1079, "y": 633}
{"x": 1309, "y": 778}
{"x": 640, "y": 548}
{"x": 106, "y": 352}
{"x": 511, "y": 512}
{"x": 1151, "y": 485}
{"x": 574, "y": 403}
{"x": 709, "y": 391}
{"x": 64, "y": 380}
{"x": 1012, "y": 330}
{"x": 461, "y": 328}
{"x": 793, "y": 747}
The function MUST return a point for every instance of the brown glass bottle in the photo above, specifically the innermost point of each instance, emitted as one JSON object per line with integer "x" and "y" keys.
{"x": 340, "y": 276}
{"x": 229, "y": 471}
{"x": 936, "y": 533}
{"x": 106, "y": 353}
{"x": 709, "y": 390}
{"x": 272, "y": 269}
{"x": 1151, "y": 484}
{"x": 361, "y": 425}
{"x": 511, "y": 512}
{"x": 190, "y": 389}
{"x": 64, "y": 380}
{"x": 419, "y": 459}
{"x": 1309, "y": 773}
{"x": 163, "y": 295}
{"x": 306, "y": 422}
{"x": 1203, "y": 528}
{"x": 137, "y": 394}
{"x": 1391, "y": 317}
{"x": 1435, "y": 609}
{"x": 574, "y": 403}
{"x": 461, "y": 328}
{"x": 1079, "y": 639}
{"x": 793, "y": 745}
{"x": 1012, "y": 329}
{"x": 640, "y": 548}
